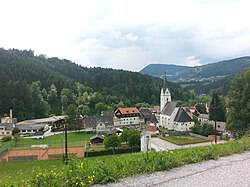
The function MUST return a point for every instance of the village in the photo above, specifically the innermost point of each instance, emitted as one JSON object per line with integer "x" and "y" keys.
{"x": 165, "y": 127}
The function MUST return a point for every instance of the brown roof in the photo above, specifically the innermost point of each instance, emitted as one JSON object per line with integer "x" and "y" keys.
{"x": 128, "y": 110}
{"x": 151, "y": 128}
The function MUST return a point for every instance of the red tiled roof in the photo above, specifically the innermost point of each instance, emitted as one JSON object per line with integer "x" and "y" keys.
{"x": 128, "y": 110}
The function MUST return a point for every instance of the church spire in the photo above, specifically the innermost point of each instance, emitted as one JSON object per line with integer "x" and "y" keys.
{"x": 165, "y": 83}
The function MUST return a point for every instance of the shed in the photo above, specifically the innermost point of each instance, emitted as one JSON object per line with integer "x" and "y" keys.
{"x": 96, "y": 139}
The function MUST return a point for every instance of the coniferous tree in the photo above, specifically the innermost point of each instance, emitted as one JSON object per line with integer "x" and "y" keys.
{"x": 239, "y": 104}
{"x": 217, "y": 110}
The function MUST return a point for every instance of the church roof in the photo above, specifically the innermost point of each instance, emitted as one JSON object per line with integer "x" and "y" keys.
{"x": 182, "y": 116}
{"x": 169, "y": 108}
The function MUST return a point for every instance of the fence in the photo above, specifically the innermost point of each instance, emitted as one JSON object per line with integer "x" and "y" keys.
{"x": 40, "y": 154}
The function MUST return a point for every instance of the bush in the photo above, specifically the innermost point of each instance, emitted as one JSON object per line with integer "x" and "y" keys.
{"x": 110, "y": 151}
{"x": 6, "y": 138}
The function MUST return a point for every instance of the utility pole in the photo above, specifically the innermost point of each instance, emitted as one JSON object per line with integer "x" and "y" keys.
{"x": 66, "y": 143}
{"x": 215, "y": 134}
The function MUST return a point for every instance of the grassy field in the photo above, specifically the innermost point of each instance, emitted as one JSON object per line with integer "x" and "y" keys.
{"x": 182, "y": 139}
{"x": 111, "y": 168}
{"x": 75, "y": 139}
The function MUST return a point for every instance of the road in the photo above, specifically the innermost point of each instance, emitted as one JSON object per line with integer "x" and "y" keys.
{"x": 231, "y": 171}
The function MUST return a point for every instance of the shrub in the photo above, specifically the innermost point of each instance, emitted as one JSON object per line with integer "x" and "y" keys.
{"x": 6, "y": 138}
{"x": 110, "y": 151}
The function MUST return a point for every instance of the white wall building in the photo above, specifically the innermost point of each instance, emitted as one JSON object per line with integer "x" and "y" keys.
{"x": 173, "y": 116}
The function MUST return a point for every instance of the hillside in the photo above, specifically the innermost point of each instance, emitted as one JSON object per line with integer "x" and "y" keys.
{"x": 203, "y": 79}
{"x": 62, "y": 82}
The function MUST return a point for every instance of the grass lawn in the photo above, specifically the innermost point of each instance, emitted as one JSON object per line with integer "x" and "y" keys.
{"x": 183, "y": 139}
{"x": 75, "y": 139}
{"x": 15, "y": 172}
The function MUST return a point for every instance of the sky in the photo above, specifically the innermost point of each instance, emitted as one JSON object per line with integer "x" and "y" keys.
{"x": 128, "y": 34}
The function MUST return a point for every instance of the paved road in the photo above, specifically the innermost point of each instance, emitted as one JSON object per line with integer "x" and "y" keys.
{"x": 159, "y": 144}
{"x": 231, "y": 171}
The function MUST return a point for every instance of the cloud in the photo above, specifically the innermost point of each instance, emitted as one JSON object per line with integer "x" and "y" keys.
{"x": 128, "y": 34}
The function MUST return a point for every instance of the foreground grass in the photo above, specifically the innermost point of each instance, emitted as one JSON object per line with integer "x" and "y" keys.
{"x": 80, "y": 172}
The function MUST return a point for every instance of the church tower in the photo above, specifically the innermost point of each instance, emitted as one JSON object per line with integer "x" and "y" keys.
{"x": 165, "y": 94}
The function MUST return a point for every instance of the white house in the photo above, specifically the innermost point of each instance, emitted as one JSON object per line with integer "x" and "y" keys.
{"x": 127, "y": 116}
{"x": 173, "y": 116}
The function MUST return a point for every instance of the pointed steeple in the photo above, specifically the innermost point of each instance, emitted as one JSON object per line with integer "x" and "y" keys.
{"x": 165, "y": 83}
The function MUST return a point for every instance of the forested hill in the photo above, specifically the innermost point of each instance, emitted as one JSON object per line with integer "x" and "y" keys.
{"x": 62, "y": 83}
{"x": 178, "y": 73}
{"x": 203, "y": 79}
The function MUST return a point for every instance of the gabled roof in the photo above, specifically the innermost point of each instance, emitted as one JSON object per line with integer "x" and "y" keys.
{"x": 145, "y": 112}
{"x": 153, "y": 119}
{"x": 30, "y": 126}
{"x": 92, "y": 121}
{"x": 127, "y": 111}
{"x": 43, "y": 120}
{"x": 97, "y": 136}
{"x": 7, "y": 126}
{"x": 169, "y": 108}
{"x": 182, "y": 116}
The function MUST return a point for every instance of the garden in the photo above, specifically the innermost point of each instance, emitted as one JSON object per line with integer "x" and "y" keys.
{"x": 183, "y": 139}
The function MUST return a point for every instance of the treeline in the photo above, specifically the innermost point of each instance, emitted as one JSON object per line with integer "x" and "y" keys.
{"x": 37, "y": 86}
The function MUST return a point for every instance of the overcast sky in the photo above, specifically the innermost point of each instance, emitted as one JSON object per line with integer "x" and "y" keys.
{"x": 128, "y": 34}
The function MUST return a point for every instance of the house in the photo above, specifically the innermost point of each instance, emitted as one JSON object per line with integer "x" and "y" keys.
{"x": 29, "y": 127}
{"x": 96, "y": 139}
{"x": 6, "y": 128}
{"x": 182, "y": 121}
{"x": 220, "y": 126}
{"x": 99, "y": 124}
{"x": 35, "y": 125}
{"x": 127, "y": 116}
{"x": 203, "y": 118}
{"x": 145, "y": 141}
{"x": 7, "y": 124}
{"x": 145, "y": 115}
{"x": 173, "y": 116}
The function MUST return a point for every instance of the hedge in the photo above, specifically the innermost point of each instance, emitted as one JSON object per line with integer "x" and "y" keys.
{"x": 110, "y": 151}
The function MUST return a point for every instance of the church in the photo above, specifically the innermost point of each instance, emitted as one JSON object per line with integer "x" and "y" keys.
{"x": 173, "y": 116}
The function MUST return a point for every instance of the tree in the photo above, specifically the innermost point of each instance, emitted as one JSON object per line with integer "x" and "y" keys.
{"x": 71, "y": 117}
{"x": 217, "y": 110}
{"x": 134, "y": 139}
{"x": 16, "y": 139}
{"x": 113, "y": 141}
{"x": 15, "y": 131}
{"x": 239, "y": 104}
